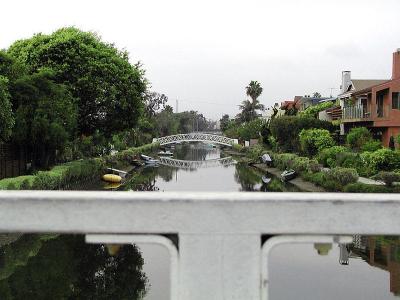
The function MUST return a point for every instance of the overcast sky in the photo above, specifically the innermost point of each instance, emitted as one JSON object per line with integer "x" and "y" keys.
{"x": 205, "y": 52}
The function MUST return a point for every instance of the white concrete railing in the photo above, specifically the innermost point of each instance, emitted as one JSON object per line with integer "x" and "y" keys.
{"x": 196, "y": 137}
{"x": 220, "y": 253}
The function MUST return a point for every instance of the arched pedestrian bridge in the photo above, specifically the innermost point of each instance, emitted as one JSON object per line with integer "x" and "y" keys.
{"x": 196, "y": 137}
{"x": 194, "y": 164}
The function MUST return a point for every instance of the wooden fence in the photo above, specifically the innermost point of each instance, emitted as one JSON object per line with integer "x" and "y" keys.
{"x": 13, "y": 161}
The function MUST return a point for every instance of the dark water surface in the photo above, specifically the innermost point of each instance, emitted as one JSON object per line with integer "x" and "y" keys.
{"x": 50, "y": 266}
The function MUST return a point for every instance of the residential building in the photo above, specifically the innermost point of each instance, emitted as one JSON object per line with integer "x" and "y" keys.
{"x": 306, "y": 102}
{"x": 293, "y": 105}
{"x": 374, "y": 104}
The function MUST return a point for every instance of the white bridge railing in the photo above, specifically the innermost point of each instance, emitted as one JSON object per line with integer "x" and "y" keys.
{"x": 196, "y": 137}
{"x": 194, "y": 164}
{"x": 221, "y": 251}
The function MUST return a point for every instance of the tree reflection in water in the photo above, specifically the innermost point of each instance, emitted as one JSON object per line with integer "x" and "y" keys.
{"x": 250, "y": 179}
{"x": 65, "y": 267}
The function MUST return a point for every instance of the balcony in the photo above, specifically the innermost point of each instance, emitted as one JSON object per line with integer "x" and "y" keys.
{"x": 356, "y": 113}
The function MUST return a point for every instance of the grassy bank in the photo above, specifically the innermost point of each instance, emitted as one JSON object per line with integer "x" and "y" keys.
{"x": 64, "y": 175}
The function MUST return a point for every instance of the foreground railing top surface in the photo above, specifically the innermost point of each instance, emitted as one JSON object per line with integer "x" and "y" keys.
{"x": 190, "y": 212}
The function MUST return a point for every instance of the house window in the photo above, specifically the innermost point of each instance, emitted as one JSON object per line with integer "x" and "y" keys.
{"x": 395, "y": 100}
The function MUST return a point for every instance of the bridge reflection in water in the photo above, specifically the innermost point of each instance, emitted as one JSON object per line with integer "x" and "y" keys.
{"x": 194, "y": 164}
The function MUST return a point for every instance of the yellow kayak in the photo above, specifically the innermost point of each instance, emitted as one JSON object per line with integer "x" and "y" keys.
{"x": 112, "y": 178}
{"x": 112, "y": 185}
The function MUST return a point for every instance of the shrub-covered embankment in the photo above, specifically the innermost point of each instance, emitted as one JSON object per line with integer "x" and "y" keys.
{"x": 65, "y": 175}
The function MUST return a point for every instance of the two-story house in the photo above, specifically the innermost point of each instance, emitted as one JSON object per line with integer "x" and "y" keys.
{"x": 376, "y": 106}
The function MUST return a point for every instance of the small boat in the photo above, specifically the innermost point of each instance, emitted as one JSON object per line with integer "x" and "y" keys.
{"x": 151, "y": 162}
{"x": 288, "y": 175}
{"x": 165, "y": 153}
{"x": 266, "y": 179}
{"x": 112, "y": 178}
{"x": 112, "y": 185}
{"x": 145, "y": 157}
{"x": 118, "y": 172}
{"x": 266, "y": 159}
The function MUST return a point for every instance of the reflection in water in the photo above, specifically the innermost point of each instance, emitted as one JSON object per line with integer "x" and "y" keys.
{"x": 65, "y": 267}
{"x": 235, "y": 177}
{"x": 382, "y": 252}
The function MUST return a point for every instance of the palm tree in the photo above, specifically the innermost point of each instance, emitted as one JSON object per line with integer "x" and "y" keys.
{"x": 249, "y": 108}
{"x": 254, "y": 90}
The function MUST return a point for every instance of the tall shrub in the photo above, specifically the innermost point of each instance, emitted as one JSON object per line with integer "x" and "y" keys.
{"x": 313, "y": 141}
{"x": 358, "y": 137}
{"x": 286, "y": 130}
{"x": 328, "y": 156}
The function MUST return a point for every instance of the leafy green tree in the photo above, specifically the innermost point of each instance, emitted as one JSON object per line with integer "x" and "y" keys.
{"x": 154, "y": 102}
{"x": 109, "y": 90}
{"x": 45, "y": 114}
{"x": 224, "y": 122}
{"x": 166, "y": 123}
{"x": 313, "y": 111}
{"x": 6, "y": 115}
{"x": 9, "y": 67}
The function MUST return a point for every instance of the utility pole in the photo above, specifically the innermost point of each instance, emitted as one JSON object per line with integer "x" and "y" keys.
{"x": 176, "y": 106}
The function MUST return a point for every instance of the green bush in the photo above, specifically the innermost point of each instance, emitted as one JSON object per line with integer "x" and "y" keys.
{"x": 58, "y": 177}
{"x": 301, "y": 164}
{"x": 255, "y": 152}
{"x": 286, "y": 130}
{"x": 387, "y": 177}
{"x": 328, "y": 156}
{"x": 313, "y": 141}
{"x": 239, "y": 148}
{"x": 284, "y": 161}
{"x": 313, "y": 111}
{"x": 272, "y": 143}
{"x": 342, "y": 176}
{"x": 348, "y": 160}
{"x": 15, "y": 181}
{"x": 371, "y": 146}
{"x": 357, "y": 137}
{"x": 370, "y": 188}
{"x": 320, "y": 179}
{"x": 381, "y": 160}
{"x": 314, "y": 166}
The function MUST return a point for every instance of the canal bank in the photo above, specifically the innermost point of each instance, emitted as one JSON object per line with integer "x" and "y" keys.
{"x": 304, "y": 186}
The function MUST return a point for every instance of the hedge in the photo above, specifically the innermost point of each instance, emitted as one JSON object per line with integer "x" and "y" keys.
{"x": 59, "y": 177}
{"x": 370, "y": 188}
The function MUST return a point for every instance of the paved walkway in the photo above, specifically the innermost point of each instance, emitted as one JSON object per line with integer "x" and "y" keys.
{"x": 369, "y": 181}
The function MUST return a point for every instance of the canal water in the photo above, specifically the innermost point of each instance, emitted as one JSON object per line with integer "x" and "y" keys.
{"x": 50, "y": 266}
